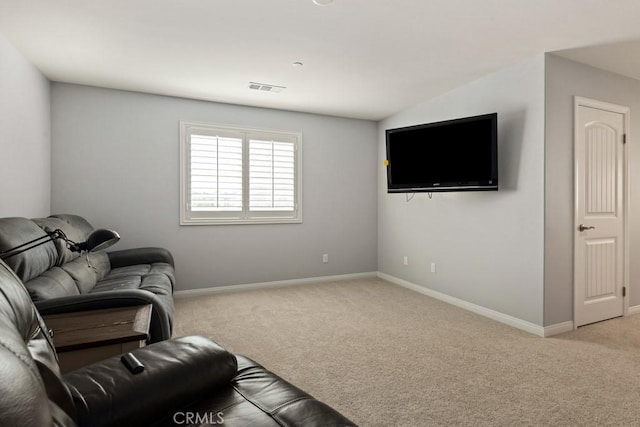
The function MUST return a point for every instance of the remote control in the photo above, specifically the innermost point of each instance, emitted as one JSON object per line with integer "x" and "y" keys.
{"x": 132, "y": 363}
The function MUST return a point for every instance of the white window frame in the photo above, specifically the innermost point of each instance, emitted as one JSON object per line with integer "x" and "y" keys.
{"x": 246, "y": 216}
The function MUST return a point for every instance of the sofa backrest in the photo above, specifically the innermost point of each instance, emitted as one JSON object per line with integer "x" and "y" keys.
{"x": 77, "y": 222}
{"x": 31, "y": 389}
{"x": 73, "y": 233}
{"x": 33, "y": 262}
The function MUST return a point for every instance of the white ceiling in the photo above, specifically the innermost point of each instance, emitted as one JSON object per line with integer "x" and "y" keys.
{"x": 362, "y": 58}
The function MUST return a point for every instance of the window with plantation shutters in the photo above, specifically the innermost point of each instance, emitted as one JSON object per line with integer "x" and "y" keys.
{"x": 236, "y": 175}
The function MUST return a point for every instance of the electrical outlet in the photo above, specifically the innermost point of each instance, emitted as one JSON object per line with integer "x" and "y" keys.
{"x": 433, "y": 267}
{"x": 405, "y": 261}
{"x": 325, "y": 258}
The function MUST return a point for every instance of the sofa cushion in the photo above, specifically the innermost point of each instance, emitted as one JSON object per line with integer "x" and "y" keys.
{"x": 54, "y": 283}
{"x": 29, "y": 264}
{"x": 87, "y": 270}
{"x": 118, "y": 283}
{"x": 142, "y": 270}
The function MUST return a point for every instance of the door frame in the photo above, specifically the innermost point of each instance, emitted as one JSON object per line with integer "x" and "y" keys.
{"x": 626, "y": 112}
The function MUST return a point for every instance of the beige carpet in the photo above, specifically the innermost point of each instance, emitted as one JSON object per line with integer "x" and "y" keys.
{"x": 387, "y": 356}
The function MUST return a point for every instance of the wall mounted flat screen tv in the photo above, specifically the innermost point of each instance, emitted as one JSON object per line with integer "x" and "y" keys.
{"x": 454, "y": 155}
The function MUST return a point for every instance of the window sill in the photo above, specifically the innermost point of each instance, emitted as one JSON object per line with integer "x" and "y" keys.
{"x": 232, "y": 221}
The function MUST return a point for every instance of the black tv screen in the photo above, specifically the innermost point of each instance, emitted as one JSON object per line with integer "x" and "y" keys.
{"x": 454, "y": 155}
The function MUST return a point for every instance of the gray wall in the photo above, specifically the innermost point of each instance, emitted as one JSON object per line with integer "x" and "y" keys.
{"x": 25, "y": 143}
{"x": 564, "y": 80}
{"x": 487, "y": 246}
{"x": 116, "y": 162}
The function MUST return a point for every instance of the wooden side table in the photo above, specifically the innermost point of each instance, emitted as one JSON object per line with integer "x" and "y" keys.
{"x": 85, "y": 337}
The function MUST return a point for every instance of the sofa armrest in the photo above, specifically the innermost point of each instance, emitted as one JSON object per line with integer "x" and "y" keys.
{"x": 176, "y": 373}
{"x": 135, "y": 256}
{"x": 161, "y": 320}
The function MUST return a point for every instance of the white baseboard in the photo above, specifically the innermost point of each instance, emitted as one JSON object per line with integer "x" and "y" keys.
{"x": 266, "y": 285}
{"x": 561, "y": 328}
{"x": 474, "y": 308}
{"x": 558, "y": 328}
{"x": 633, "y": 310}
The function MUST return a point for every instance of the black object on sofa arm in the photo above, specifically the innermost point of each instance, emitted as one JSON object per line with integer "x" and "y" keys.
{"x": 59, "y": 280}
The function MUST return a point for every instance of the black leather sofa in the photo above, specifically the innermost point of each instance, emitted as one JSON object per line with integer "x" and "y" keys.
{"x": 59, "y": 280}
{"x": 187, "y": 381}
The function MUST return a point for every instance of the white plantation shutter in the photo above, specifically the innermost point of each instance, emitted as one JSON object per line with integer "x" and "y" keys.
{"x": 235, "y": 175}
{"x": 216, "y": 173}
{"x": 271, "y": 175}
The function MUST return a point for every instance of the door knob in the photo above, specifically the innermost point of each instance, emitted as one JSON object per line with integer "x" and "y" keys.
{"x": 582, "y": 228}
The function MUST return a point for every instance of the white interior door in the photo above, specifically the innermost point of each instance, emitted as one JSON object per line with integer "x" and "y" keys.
{"x": 599, "y": 245}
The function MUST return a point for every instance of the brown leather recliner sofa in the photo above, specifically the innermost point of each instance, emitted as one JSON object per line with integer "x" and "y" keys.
{"x": 186, "y": 381}
{"x": 61, "y": 281}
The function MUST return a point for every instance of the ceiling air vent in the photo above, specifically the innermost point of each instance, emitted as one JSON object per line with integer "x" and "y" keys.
{"x": 265, "y": 87}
